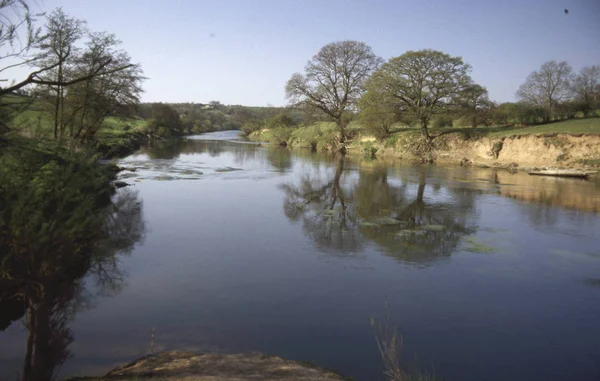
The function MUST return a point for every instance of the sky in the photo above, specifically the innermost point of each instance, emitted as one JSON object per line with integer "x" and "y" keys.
{"x": 244, "y": 51}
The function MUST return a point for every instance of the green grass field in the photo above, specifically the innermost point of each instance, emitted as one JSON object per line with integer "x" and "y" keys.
{"x": 32, "y": 122}
{"x": 573, "y": 126}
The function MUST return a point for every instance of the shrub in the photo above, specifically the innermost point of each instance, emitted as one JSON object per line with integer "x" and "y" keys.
{"x": 442, "y": 121}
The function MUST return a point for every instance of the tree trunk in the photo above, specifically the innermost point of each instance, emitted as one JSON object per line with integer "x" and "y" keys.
{"x": 342, "y": 128}
{"x": 57, "y": 101}
{"x": 425, "y": 130}
{"x": 30, "y": 341}
{"x": 43, "y": 368}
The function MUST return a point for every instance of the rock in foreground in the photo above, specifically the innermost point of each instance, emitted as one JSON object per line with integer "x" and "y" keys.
{"x": 186, "y": 366}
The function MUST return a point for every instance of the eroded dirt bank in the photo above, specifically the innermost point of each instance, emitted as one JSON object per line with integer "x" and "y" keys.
{"x": 530, "y": 150}
{"x": 520, "y": 151}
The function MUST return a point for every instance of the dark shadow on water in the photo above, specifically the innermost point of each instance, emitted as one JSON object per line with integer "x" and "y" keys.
{"x": 42, "y": 278}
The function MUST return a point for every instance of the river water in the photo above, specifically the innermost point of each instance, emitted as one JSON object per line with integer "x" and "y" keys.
{"x": 488, "y": 275}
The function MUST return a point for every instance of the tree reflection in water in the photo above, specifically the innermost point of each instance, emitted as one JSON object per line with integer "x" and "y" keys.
{"x": 341, "y": 214}
{"x": 326, "y": 210}
{"x": 46, "y": 286}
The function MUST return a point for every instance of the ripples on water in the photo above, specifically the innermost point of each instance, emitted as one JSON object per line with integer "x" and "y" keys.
{"x": 489, "y": 274}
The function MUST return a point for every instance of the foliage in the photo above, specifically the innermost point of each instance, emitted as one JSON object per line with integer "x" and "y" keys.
{"x": 82, "y": 86}
{"x": 496, "y": 148}
{"x": 420, "y": 84}
{"x": 377, "y": 118}
{"x": 442, "y": 121}
{"x": 51, "y": 202}
{"x": 280, "y": 135}
{"x": 475, "y": 105}
{"x": 79, "y": 77}
{"x": 282, "y": 120}
{"x": 58, "y": 221}
{"x": 164, "y": 122}
{"x": 333, "y": 80}
{"x": 319, "y": 136}
{"x": 369, "y": 149}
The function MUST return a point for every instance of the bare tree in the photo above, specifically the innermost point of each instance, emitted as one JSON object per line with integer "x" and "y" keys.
{"x": 547, "y": 87}
{"x": 333, "y": 81}
{"x": 586, "y": 88}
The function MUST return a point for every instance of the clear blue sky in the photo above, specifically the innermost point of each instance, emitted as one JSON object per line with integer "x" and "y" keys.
{"x": 244, "y": 51}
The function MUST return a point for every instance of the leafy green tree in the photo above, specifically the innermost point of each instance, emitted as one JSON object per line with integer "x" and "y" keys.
{"x": 85, "y": 83}
{"x": 376, "y": 116}
{"x": 282, "y": 120}
{"x": 93, "y": 100}
{"x": 58, "y": 220}
{"x": 165, "y": 121}
{"x": 547, "y": 87}
{"x": 512, "y": 113}
{"x": 81, "y": 75}
{"x": 58, "y": 52}
{"x": 443, "y": 120}
{"x": 334, "y": 81}
{"x": 420, "y": 85}
{"x": 475, "y": 105}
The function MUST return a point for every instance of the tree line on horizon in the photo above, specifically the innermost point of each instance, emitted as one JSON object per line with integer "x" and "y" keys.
{"x": 346, "y": 81}
{"x": 80, "y": 78}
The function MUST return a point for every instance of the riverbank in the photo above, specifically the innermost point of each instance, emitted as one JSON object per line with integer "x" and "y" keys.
{"x": 514, "y": 148}
{"x": 121, "y": 145}
{"x": 188, "y": 366}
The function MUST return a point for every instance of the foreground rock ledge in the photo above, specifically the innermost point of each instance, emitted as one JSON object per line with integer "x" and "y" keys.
{"x": 187, "y": 366}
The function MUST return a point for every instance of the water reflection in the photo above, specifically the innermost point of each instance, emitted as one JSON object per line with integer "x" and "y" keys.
{"x": 280, "y": 158}
{"x": 45, "y": 287}
{"x": 340, "y": 212}
{"x": 551, "y": 191}
{"x": 326, "y": 210}
{"x": 409, "y": 226}
{"x": 243, "y": 278}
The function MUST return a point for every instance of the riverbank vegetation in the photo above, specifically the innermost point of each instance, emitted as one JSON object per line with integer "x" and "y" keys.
{"x": 60, "y": 216}
{"x": 370, "y": 102}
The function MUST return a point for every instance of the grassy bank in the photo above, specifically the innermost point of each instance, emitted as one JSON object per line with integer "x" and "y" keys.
{"x": 118, "y": 136}
{"x": 566, "y": 143}
{"x": 573, "y": 126}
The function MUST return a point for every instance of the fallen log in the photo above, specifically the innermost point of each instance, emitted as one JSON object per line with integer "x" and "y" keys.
{"x": 574, "y": 173}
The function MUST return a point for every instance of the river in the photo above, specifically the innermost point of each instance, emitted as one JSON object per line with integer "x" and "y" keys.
{"x": 489, "y": 275}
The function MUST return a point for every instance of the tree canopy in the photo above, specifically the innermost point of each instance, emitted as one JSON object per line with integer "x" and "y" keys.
{"x": 586, "y": 88}
{"x": 418, "y": 84}
{"x": 334, "y": 80}
{"x": 547, "y": 87}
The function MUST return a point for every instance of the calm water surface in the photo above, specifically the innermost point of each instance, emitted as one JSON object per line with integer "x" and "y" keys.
{"x": 489, "y": 275}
